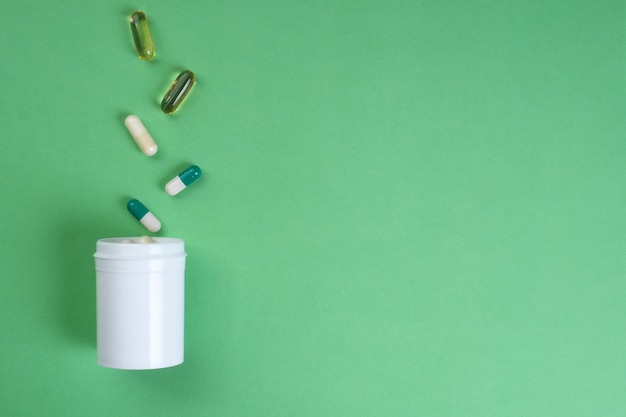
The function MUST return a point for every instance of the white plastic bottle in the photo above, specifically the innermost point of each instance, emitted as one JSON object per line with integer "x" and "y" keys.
{"x": 140, "y": 297}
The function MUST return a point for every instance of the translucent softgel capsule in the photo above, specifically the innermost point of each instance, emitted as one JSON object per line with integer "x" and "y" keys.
{"x": 142, "y": 36}
{"x": 182, "y": 180}
{"x": 144, "y": 216}
{"x": 178, "y": 91}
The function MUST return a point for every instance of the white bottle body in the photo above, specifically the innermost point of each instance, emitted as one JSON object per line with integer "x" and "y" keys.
{"x": 140, "y": 298}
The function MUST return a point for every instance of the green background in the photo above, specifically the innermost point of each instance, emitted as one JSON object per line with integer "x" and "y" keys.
{"x": 407, "y": 207}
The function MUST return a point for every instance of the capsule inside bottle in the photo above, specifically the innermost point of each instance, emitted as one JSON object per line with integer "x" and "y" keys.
{"x": 139, "y": 27}
{"x": 178, "y": 92}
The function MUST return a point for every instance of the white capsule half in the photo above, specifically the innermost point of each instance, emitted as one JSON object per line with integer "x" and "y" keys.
{"x": 140, "y": 135}
{"x": 150, "y": 222}
{"x": 175, "y": 186}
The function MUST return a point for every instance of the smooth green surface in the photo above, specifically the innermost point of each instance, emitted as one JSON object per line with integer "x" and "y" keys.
{"x": 408, "y": 208}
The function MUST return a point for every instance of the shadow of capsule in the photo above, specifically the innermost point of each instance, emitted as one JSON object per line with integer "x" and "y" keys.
{"x": 76, "y": 280}
{"x": 209, "y": 323}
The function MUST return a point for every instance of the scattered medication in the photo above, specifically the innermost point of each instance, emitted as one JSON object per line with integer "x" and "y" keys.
{"x": 141, "y": 135}
{"x": 144, "y": 216}
{"x": 142, "y": 239}
{"x": 183, "y": 180}
{"x": 142, "y": 36}
{"x": 178, "y": 91}
{"x": 145, "y": 239}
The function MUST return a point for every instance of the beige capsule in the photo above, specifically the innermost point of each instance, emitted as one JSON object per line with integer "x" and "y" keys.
{"x": 141, "y": 135}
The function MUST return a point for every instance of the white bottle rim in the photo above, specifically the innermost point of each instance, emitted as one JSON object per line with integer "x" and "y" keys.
{"x": 126, "y": 248}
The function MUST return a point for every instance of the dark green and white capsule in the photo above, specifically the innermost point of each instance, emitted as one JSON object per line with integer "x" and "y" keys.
{"x": 178, "y": 92}
{"x": 182, "y": 180}
{"x": 144, "y": 216}
{"x": 139, "y": 27}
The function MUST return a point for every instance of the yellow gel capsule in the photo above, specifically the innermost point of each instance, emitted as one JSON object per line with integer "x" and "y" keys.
{"x": 178, "y": 91}
{"x": 142, "y": 36}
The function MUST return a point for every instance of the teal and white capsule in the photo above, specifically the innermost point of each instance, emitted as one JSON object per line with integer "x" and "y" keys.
{"x": 183, "y": 180}
{"x": 144, "y": 215}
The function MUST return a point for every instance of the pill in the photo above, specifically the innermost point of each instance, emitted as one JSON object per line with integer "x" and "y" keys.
{"x": 141, "y": 135}
{"x": 182, "y": 180}
{"x": 178, "y": 91}
{"x": 139, "y": 27}
{"x": 144, "y": 216}
{"x": 142, "y": 239}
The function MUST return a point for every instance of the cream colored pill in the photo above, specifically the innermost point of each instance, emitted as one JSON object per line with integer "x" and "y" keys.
{"x": 140, "y": 135}
{"x": 145, "y": 239}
